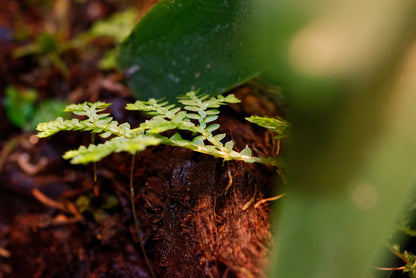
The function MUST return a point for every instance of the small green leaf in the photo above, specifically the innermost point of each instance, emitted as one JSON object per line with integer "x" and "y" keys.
{"x": 192, "y": 108}
{"x": 235, "y": 155}
{"x": 211, "y": 118}
{"x": 176, "y": 137}
{"x": 212, "y": 127}
{"x": 219, "y": 137}
{"x": 246, "y": 152}
{"x": 199, "y": 138}
{"x": 198, "y": 142}
{"x": 212, "y": 112}
{"x": 186, "y": 101}
{"x": 103, "y": 121}
{"x": 179, "y": 116}
{"x": 229, "y": 145}
{"x": 161, "y": 126}
{"x": 136, "y": 144}
{"x": 105, "y": 135}
{"x": 192, "y": 116}
{"x": 231, "y": 99}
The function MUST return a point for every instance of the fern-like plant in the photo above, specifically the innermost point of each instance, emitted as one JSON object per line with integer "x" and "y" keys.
{"x": 197, "y": 117}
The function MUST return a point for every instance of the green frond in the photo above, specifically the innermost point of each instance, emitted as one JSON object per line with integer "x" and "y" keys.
{"x": 59, "y": 124}
{"x": 136, "y": 144}
{"x": 276, "y": 125}
{"x": 158, "y": 125}
{"x": 197, "y": 117}
{"x": 191, "y": 99}
{"x": 95, "y": 122}
{"x": 86, "y": 106}
{"x": 155, "y": 107}
{"x": 94, "y": 153}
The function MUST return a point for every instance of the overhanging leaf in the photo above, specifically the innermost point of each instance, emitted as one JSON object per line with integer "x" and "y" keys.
{"x": 179, "y": 46}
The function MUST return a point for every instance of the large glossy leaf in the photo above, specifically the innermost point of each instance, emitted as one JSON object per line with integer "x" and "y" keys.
{"x": 180, "y": 46}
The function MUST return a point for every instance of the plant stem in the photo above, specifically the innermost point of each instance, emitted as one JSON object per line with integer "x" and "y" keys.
{"x": 94, "y": 167}
{"x": 96, "y": 189}
{"x": 133, "y": 209}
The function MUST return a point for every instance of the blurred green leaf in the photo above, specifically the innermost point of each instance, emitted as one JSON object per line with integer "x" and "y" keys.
{"x": 83, "y": 203}
{"x": 351, "y": 155}
{"x": 23, "y": 112}
{"x": 49, "y": 48}
{"x": 20, "y": 105}
{"x": 109, "y": 60}
{"x": 180, "y": 46}
{"x": 117, "y": 26}
{"x": 47, "y": 110}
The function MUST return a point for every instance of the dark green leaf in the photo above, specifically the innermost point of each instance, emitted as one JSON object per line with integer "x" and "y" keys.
{"x": 179, "y": 46}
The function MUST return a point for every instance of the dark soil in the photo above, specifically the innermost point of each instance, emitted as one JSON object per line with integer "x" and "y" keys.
{"x": 56, "y": 222}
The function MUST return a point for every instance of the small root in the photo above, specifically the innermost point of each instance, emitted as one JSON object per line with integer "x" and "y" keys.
{"x": 276, "y": 152}
{"x": 230, "y": 180}
{"x": 259, "y": 203}
{"x": 251, "y": 201}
